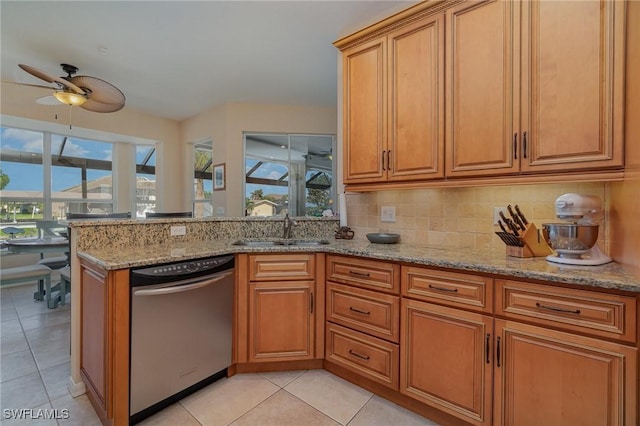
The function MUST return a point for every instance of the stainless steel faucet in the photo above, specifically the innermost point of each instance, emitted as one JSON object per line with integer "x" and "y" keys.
{"x": 288, "y": 224}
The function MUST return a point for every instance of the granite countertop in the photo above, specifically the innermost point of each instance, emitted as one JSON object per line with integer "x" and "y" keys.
{"x": 610, "y": 276}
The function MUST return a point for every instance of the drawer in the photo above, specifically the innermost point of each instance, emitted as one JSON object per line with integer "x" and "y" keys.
{"x": 371, "y": 312}
{"x": 590, "y": 312}
{"x": 450, "y": 288}
{"x": 371, "y": 274}
{"x": 269, "y": 267}
{"x": 368, "y": 356}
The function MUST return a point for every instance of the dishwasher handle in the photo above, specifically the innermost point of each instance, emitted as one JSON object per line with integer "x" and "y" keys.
{"x": 184, "y": 287}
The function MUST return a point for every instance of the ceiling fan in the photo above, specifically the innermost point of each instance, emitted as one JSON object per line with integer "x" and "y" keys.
{"x": 90, "y": 93}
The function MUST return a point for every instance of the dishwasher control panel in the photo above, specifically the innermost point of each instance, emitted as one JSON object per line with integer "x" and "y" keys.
{"x": 180, "y": 270}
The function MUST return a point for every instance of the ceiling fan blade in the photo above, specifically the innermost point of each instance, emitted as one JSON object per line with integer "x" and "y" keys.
{"x": 99, "y": 90}
{"x": 48, "y": 100}
{"x": 37, "y": 73}
{"x": 95, "y": 106}
{"x": 29, "y": 85}
{"x": 51, "y": 79}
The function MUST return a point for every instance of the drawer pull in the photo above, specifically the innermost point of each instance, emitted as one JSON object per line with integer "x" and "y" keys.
{"x": 450, "y": 290}
{"x": 498, "y": 352}
{"x": 357, "y": 355}
{"x": 359, "y": 274}
{"x": 358, "y": 311}
{"x": 551, "y": 308}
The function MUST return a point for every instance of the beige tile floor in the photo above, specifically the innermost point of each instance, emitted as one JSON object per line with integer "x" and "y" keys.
{"x": 34, "y": 370}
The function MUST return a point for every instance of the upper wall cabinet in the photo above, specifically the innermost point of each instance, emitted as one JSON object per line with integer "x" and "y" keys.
{"x": 551, "y": 100}
{"x": 529, "y": 91}
{"x": 394, "y": 105}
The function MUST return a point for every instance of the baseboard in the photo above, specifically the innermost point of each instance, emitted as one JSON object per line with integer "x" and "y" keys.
{"x": 76, "y": 388}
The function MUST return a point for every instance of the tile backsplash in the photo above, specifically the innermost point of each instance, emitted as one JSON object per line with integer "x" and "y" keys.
{"x": 463, "y": 217}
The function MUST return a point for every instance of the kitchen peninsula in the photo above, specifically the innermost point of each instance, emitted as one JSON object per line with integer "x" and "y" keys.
{"x": 497, "y": 309}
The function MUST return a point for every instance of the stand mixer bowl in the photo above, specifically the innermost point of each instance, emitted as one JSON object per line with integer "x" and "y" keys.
{"x": 570, "y": 239}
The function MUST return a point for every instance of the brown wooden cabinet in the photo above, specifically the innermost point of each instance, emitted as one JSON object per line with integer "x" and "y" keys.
{"x": 558, "y": 356}
{"x": 534, "y": 87}
{"x": 281, "y": 321}
{"x": 104, "y": 330}
{"x": 447, "y": 353}
{"x": 277, "y": 308}
{"x": 363, "y": 314}
{"x": 447, "y": 359}
{"x": 559, "y": 369}
{"x": 525, "y": 90}
{"x": 394, "y": 105}
{"x": 555, "y": 378}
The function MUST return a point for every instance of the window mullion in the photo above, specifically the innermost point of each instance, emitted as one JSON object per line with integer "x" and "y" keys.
{"x": 46, "y": 174}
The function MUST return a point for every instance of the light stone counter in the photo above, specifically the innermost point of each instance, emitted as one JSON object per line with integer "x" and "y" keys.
{"x": 610, "y": 276}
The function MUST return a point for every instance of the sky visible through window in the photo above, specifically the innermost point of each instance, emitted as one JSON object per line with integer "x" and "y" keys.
{"x": 29, "y": 177}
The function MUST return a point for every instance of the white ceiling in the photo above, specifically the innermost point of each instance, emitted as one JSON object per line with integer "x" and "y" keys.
{"x": 176, "y": 59}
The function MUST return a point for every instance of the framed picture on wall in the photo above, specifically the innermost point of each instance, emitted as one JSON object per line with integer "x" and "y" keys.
{"x": 218, "y": 177}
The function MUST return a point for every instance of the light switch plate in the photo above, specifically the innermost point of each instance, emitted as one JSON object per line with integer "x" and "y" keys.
{"x": 388, "y": 214}
{"x": 496, "y": 214}
{"x": 178, "y": 230}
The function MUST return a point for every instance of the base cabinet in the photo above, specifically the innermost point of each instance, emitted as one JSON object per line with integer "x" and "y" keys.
{"x": 446, "y": 359}
{"x": 279, "y": 315}
{"x": 552, "y": 378}
{"x": 104, "y": 328}
{"x": 281, "y": 322}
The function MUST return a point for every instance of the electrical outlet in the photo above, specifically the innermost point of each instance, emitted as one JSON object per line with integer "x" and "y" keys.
{"x": 388, "y": 214}
{"x": 178, "y": 230}
{"x": 219, "y": 211}
{"x": 496, "y": 214}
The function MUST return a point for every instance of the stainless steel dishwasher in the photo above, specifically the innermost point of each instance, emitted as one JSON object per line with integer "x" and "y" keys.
{"x": 181, "y": 330}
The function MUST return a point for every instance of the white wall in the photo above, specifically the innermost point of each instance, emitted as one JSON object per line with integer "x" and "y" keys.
{"x": 225, "y": 126}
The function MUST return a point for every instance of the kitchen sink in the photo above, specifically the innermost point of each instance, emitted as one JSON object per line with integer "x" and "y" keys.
{"x": 280, "y": 242}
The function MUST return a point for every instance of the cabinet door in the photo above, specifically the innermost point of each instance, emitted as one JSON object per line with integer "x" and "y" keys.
{"x": 104, "y": 328}
{"x": 551, "y": 378}
{"x": 364, "y": 71}
{"x": 573, "y": 53}
{"x": 281, "y": 321}
{"x": 446, "y": 360}
{"x": 482, "y": 88}
{"x": 416, "y": 101}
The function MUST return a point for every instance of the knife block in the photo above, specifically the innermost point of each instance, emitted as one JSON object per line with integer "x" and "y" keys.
{"x": 534, "y": 244}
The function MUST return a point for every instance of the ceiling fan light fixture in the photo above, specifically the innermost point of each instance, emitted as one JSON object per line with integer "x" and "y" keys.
{"x": 70, "y": 98}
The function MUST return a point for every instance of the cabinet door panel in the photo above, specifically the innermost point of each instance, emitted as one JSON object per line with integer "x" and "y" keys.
{"x": 554, "y": 378}
{"x": 281, "y": 321}
{"x": 416, "y": 101}
{"x": 574, "y": 53}
{"x": 93, "y": 362}
{"x": 446, "y": 361}
{"x": 482, "y": 88}
{"x": 364, "y": 112}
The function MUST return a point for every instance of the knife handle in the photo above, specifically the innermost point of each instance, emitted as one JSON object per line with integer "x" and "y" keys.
{"x": 524, "y": 219}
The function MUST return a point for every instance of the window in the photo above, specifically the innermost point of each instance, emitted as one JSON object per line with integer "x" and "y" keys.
{"x": 202, "y": 179}
{"x": 43, "y": 176}
{"x": 81, "y": 176}
{"x": 21, "y": 177}
{"x": 145, "y": 179}
{"x": 289, "y": 173}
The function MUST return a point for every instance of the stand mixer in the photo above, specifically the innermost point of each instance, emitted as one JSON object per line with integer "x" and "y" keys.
{"x": 575, "y": 240}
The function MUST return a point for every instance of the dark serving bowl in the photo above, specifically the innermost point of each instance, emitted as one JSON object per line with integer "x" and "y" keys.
{"x": 383, "y": 238}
